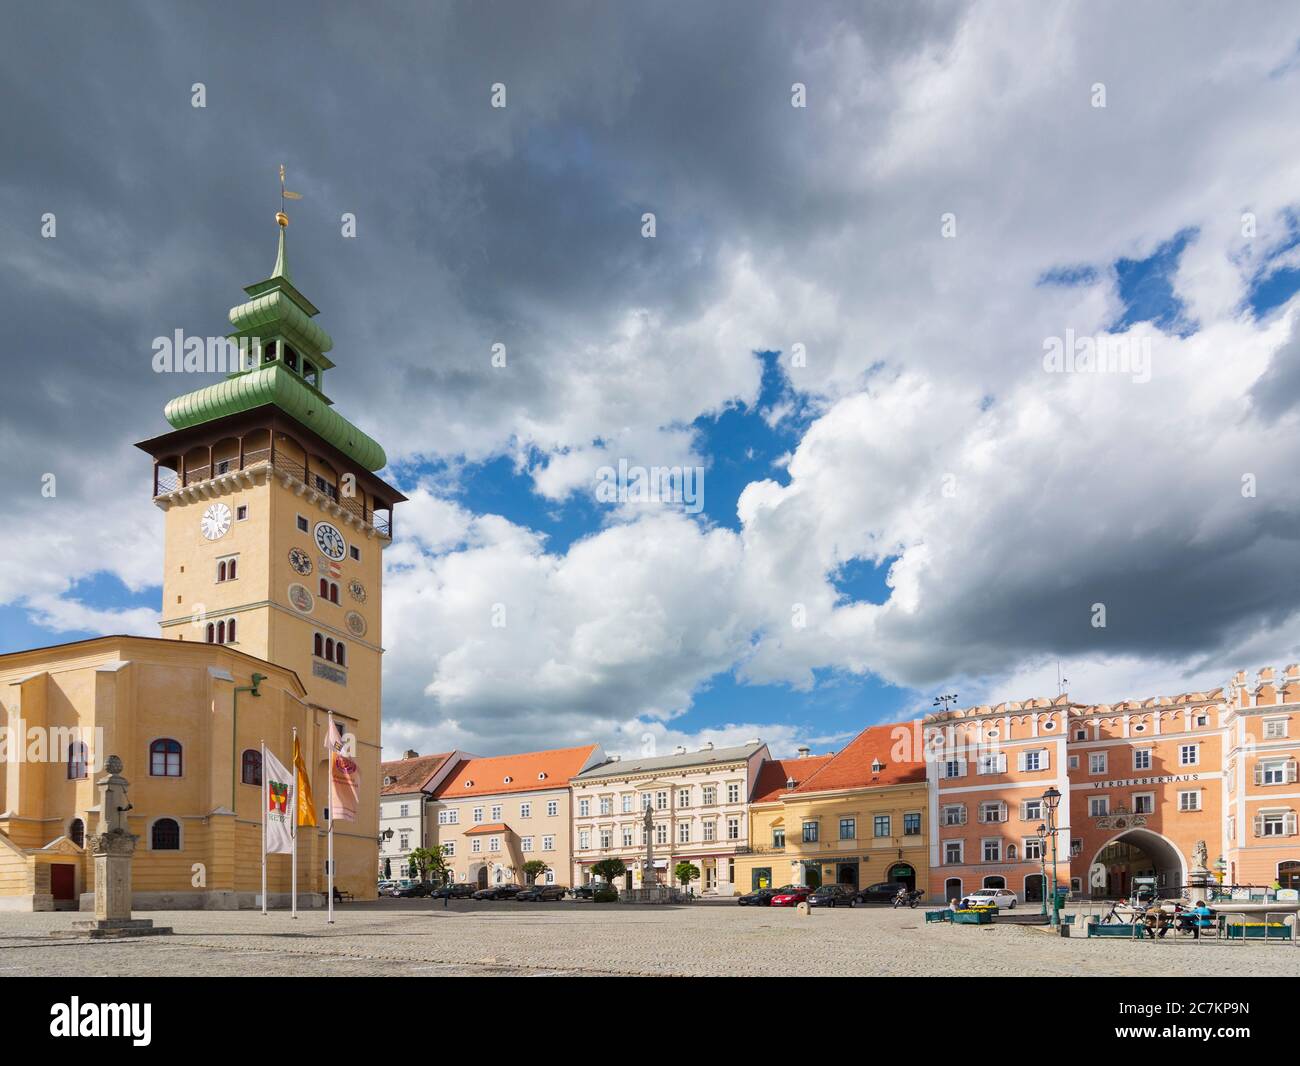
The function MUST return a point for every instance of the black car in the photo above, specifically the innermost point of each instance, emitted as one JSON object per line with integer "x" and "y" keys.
{"x": 456, "y": 891}
{"x": 830, "y": 896}
{"x": 760, "y": 897}
{"x": 541, "y": 893}
{"x": 498, "y": 892}
{"x": 412, "y": 891}
{"x": 584, "y": 891}
{"x": 880, "y": 892}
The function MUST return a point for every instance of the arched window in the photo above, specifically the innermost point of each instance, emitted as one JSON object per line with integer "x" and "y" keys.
{"x": 230, "y": 628}
{"x": 334, "y": 592}
{"x": 340, "y": 654}
{"x": 165, "y": 758}
{"x": 221, "y": 570}
{"x": 221, "y": 632}
{"x": 77, "y": 832}
{"x": 329, "y": 648}
{"x": 212, "y": 633}
{"x": 76, "y": 760}
{"x": 324, "y": 589}
{"x": 252, "y": 774}
{"x": 165, "y": 835}
{"x": 318, "y": 647}
{"x": 230, "y": 569}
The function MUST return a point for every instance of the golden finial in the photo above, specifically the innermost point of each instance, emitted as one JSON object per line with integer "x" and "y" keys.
{"x": 285, "y": 194}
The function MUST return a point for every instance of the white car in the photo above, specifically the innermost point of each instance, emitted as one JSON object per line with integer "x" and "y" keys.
{"x": 1002, "y": 898}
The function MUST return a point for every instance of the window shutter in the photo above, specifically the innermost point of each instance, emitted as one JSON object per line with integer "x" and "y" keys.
{"x": 1290, "y": 771}
{"x": 1044, "y": 759}
{"x": 1259, "y": 773}
{"x": 1259, "y": 825}
{"x": 962, "y": 817}
{"x": 1020, "y": 762}
{"x": 1002, "y": 762}
{"x": 1290, "y": 824}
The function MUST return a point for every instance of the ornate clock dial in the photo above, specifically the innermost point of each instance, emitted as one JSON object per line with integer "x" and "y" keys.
{"x": 300, "y": 561}
{"x": 357, "y": 591}
{"x": 215, "y": 521}
{"x": 355, "y": 623}
{"x": 330, "y": 541}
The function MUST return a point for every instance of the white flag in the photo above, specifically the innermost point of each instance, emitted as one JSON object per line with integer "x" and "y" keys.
{"x": 280, "y": 806}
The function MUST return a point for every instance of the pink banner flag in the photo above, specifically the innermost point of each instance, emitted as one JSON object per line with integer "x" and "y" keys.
{"x": 345, "y": 784}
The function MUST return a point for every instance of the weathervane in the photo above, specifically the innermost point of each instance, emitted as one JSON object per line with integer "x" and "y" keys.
{"x": 285, "y": 194}
{"x": 945, "y": 702}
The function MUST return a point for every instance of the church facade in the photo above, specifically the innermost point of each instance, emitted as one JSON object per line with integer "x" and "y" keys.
{"x": 274, "y": 525}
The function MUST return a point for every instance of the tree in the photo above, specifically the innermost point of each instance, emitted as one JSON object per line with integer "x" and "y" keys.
{"x": 609, "y": 869}
{"x": 686, "y": 872}
{"x": 533, "y": 869}
{"x": 430, "y": 861}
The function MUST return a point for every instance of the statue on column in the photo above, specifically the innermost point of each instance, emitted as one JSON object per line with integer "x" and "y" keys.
{"x": 648, "y": 877}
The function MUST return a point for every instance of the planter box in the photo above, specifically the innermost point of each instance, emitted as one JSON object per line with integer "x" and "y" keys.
{"x": 938, "y": 916}
{"x": 1258, "y": 931}
{"x": 983, "y": 916}
{"x": 1123, "y": 929}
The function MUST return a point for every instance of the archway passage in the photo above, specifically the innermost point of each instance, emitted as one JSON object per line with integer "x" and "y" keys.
{"x": 1034, "y": 891}
{"x": 846, "y": 873}
{"x": 482, "y": 877}
{"x": 952, "y": 888}
{"x": 905, "y": 874}
{"x": 1139, "y": 853}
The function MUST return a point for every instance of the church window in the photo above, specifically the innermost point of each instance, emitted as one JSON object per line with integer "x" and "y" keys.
{"x": 252, "y": 768}
{"x": 165, "y": 835}
{"x": 76, "y": 761}
{"x": 340, "y": 654}
{"x": 165, "y": 758}
{"x": 318, "y": 648}
{"x": 77, "y": 832}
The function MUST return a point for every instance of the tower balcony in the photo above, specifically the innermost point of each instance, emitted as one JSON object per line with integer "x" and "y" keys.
{"x": 191, "y": 483}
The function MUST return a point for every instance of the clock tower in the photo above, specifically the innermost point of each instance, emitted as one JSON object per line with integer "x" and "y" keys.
{"x": 276, "y": 522}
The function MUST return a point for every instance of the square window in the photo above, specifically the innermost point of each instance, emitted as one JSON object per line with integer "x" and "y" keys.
{"x": 848, "y": 828}
{"x": 355, "y": 552}
{"x": 1189, "y": 755}
{"x": 241, "y": 512}
{"x": 303, "y": 524}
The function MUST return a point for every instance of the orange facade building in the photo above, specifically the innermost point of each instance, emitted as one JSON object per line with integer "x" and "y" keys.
{"x": 1142, "y": 784}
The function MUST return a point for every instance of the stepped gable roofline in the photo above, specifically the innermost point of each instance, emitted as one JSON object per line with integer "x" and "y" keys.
{"x": 659, "y": 763}
{"x": 855, "y": 765}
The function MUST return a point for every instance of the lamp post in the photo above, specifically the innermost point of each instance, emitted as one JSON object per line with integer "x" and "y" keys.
{"x": 1042, "y": 865}
{"x": 1051, "y": 800}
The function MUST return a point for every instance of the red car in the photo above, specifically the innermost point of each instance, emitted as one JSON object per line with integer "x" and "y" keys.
{"x": 791, "y": 895}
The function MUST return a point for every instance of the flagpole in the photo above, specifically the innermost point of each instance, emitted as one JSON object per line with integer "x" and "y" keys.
{"x": 330, "y": 834}
{"x": 293, "y": 877}
{"x": 265, "y": 781}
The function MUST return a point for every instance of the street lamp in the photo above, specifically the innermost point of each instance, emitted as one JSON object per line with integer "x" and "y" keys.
{"x": 1051, "y": 800}
{"x": 1220, "y": 871}
{"x": 1042, "y": 865}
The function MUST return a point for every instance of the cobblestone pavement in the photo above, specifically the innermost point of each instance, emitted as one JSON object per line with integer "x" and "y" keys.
{"x": 415, "y": 938}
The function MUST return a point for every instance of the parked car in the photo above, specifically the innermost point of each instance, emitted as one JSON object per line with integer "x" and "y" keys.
{"x": 830, "y": 896}
{"x": 414, "y": 891}
{"x": 459, "y": 890}
{"x": 760, "y": 897}
{"x": 998, "y": 897}
{"x": 541, "y": 893}
{"x": 509, "y": 891}
{"x": 790, "y": 896}
{"x": 384, "y": 886}
{"x": 880, "y": 892}
{"x": 584, "y": 891}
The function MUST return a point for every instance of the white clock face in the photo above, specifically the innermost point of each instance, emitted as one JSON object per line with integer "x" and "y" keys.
{"x": 330, "y": 541}
{"x": 215, "y": 521}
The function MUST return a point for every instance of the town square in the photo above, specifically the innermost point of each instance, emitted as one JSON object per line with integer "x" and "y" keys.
{"x": 715, "y": 491}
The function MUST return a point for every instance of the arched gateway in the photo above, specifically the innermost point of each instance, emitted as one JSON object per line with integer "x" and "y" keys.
{"x": 1136, "y": 853}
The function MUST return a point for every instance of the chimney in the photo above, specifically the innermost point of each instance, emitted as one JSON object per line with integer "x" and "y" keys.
{"x": 707, "y": 746}
{"x": 680, "y": 749}
{"x": 616, "y": 758}
{"x": 410, "y": 754}
{"x": 804, "y": 751}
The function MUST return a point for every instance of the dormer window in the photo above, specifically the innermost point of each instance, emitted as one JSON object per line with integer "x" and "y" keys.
{"x": 877, "y": 766}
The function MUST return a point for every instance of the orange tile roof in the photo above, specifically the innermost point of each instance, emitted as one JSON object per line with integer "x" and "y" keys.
{"x": 851, "y": 767}
{"x": 485, "y": 776}
{"x": 410, "y": 775}
{"x": 774, "y": 775}
{"x": 495, "y": 827}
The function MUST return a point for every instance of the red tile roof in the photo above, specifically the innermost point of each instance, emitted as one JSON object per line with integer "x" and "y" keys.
{"x": 410, "y": 775}
{"x": 494, "y": 827}
{"x": 526, "y": 772}
{"x": 775, "y": 774}
{"x": 851, "y": 767}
